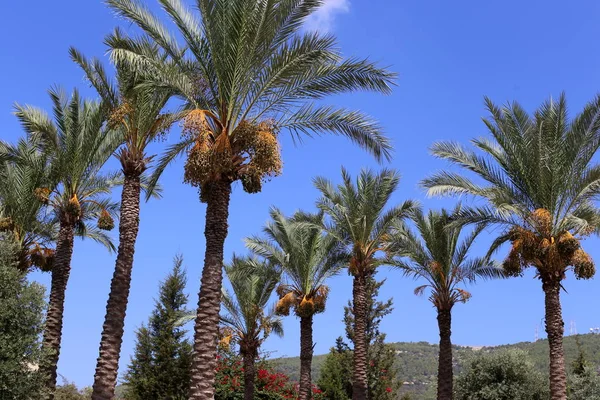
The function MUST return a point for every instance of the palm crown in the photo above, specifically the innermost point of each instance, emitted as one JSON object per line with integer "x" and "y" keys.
{"x": 252, "y": 282}
{"x": 134, "y": 109}
{"x": 246, "y": 73}
{"x": 436, "y": 253}
{"x": 76, "y": 146}
{"x": 307, "y": 257}
{"x": 538, "y": 180}
{"x": 24, "y": 170}
{"x": 357, "y": 215}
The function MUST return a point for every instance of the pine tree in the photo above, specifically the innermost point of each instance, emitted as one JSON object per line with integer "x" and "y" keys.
{"x": 160, "y": 366}
{"x": 336, "y": 374}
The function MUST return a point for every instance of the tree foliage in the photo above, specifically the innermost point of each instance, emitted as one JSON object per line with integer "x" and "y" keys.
{"x": 246, "y": 72}
{"x": 77, "y": 146}
{"x": 539, "y": 182}
{"x": 253, "y": 282}
{"x": 160, "y": 366}
{"x": 438, "y": 254}
{"x": 307, "y": 257}
{"x": 22, "y": 309}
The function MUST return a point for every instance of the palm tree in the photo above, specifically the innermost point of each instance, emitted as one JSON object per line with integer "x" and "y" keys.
{"x": 308, "y": 258}
{"x": 435, "y": 253}
{"x": 359, "y": 221}
{"x": 252, "y": 282}
{"x": 539, "y": 183}
{"x": 137, "y": 113}
{"x": 23, "y": 169}
{"x": 245, "y": 73}
{"x": 77, "y": 147}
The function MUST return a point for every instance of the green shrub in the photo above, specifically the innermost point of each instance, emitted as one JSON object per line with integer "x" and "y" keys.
{"x": 503, "y": 375}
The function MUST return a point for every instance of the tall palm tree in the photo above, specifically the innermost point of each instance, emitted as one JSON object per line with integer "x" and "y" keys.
{"x": 246, "y": 72}
{"x": 538, "y": 182}
{"x": 358, "y": 219}
{"x": 435, "y": 253}
{"x": 137, "y": 113}
{"x": 23, "y": 169}
{"x": 252, "y": 282}
{"x": 308, "y": 258}
{"x": 77, "y": 147}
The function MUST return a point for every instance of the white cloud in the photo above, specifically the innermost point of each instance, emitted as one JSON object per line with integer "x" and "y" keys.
{"x": 322, "y": 19}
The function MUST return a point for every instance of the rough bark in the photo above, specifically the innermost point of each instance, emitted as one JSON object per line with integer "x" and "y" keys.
{"x": 445, "y": 374}
{"x": 249, "y": 373}
{"x": 209, "y": 303}
{"x": 56, "y": 304}
{"x": 555, "y": 329}
{"x": 306, "y": 354}
{"x": 105, "y": 378}
{"x": 360, "y": 380}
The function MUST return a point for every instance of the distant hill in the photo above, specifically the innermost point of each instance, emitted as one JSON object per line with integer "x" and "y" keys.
{"x": 418, "y": 361}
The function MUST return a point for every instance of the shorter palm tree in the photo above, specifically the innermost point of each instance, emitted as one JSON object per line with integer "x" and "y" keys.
{"x": 436, "y": 254}
{"x": 359, "y": 221}
{"x": 308, "y": 258}
{"x": 77, "y": 147}
{"x": 252, "y": 282}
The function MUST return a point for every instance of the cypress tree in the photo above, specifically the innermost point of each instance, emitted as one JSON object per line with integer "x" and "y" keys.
{"x": 160, "y": 366}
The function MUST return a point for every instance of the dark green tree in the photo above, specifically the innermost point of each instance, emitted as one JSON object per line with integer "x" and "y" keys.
{"x": 22, "y": 308}
{"x": 160, "y": 366}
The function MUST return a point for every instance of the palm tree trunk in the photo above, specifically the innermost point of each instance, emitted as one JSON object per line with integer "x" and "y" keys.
{"x": 445, "y": 375}
{"x": 209, "y": 303}
{"x": 306, "y": 354}
{"x": 249, "y": 374}
{"x": 56, "y": 306}
{"x": 555, "y": 329}
{"x": 105, "y": 378}
{"x": 360, "y": 380}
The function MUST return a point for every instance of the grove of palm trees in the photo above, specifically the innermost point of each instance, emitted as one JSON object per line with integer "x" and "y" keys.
{"x": 289, "y": 162}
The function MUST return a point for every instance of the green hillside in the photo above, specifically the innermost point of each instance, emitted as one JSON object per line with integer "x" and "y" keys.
{"x": 418, "y": 361}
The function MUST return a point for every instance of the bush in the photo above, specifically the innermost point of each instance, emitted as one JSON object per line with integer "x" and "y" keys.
{"x": 502, "y": 375}
{"x": 69, "y": 391}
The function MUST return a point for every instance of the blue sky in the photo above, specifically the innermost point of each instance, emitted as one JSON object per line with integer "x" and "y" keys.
{"x": 448, "y": 56}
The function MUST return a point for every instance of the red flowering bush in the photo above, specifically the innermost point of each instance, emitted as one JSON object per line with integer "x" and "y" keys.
{"x": 270, "y": 385}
